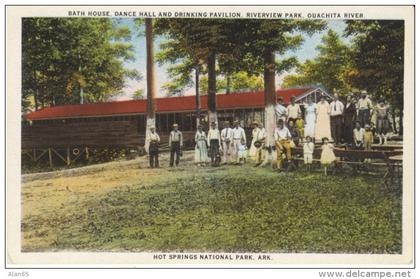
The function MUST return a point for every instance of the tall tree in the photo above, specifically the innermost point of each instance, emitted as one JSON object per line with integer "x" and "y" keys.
{"x": 151, "y": 84}
{"x": 378, "y": 59}
{"x": 63, "y": 56}
{"x": 184, "y": 61}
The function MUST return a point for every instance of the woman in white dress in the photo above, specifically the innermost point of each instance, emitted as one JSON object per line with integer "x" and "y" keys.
{"x": 323, "y": 126}
{"x": 310, "y": 118}
{"x": 253, "y": 150}
{"x": 200, "y": 157}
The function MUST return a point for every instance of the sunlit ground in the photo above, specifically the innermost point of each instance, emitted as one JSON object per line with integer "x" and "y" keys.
{"x": 125, "y": 206}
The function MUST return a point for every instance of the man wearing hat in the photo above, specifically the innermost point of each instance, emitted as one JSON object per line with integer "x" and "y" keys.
{"x": 238, "y": 138}
{"x": 213, "y": 140}
{"x": 153, "y": 139}
{"x": 364, "y": 105}
{"x": 281, "y": 111}
{"x": 226, "y": 136}
{"x": 175, "y": 144}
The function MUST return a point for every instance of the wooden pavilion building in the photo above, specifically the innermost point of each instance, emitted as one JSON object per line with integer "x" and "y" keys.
{"x": 76, "y": 128}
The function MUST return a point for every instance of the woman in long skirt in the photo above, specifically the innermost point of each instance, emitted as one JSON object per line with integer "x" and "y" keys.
{"x": 253, "y": 150}
{"x": 323, "y": 126}
{"x": 310, "y": 118}
{"x": 201, "y": 157}
{"x": 382, "y": 121}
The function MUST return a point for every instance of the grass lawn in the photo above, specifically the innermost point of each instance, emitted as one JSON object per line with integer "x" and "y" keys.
{"x": 229, "y": 209}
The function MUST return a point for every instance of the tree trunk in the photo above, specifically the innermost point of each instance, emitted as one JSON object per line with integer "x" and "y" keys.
{"x": 197, "y": 96}
{"x": 36, "y": 93}
{"x": 211, "y": 95}
{"x": 151, "y": 90}
{"x": 270, "y": 99}
{"x": 36, "y": 99}
{"x": 228, "y": 83}
{"x": 80, "y": 86}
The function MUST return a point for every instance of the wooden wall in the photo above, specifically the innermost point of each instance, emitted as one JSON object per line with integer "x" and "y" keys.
{"x": 118, "y": 133}
{"x": 103, "y": 133}
{"x": 121, "y": 131}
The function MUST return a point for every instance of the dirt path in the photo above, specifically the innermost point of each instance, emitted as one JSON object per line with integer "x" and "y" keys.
{"x": 55, "y": 195}
{"x": 56, "y": 189}
{"x": 138, "y": 163}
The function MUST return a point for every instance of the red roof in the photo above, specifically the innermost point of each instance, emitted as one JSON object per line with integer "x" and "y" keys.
{"x": 184, "y": 103}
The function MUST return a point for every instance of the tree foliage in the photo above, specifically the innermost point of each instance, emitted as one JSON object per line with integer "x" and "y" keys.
{"x": 374, "y": 61}
{"x": 240, "y": 81}
{"x": 330, "y": 69}
{"x": 239, "y": 45}
{"x": 138, "y": 94}
{"x": 251, "y": 38}
{"x": 378, "y": 58}
{"x": 62, "y": 55}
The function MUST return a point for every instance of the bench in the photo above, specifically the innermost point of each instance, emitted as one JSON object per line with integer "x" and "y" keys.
{"x": 392, "y": 158}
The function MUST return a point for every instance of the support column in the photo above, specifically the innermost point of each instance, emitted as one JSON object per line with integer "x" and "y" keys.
{"x": 68, "y": 156}
{"x": 50, "y": 158}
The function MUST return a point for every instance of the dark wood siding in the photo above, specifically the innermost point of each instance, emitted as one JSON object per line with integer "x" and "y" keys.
{"x": 100, "y": 133}
{"x": 119, "y": 131}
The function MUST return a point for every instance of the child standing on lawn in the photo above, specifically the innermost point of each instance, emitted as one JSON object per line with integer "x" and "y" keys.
{"x": 308, "y": 151}
{"x": 242, "y": 153}
{"x": 368, "y": 139}
{"x": 300, "y": 127}
{"x": 327, "y": 154}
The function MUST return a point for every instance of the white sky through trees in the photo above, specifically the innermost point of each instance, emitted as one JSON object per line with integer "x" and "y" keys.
{"x": 306, "y": 51}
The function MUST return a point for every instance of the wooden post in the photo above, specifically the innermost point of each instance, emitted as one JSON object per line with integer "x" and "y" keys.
{"x": 87, "y": 153}
{"x": 50, "y": 157}
{"x": 68, "y": 156}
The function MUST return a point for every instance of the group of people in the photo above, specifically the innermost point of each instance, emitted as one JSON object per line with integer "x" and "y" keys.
{"x": 231, "y": 140}
{"x": 329, "y": 123}
{"x": 336, "y": 120}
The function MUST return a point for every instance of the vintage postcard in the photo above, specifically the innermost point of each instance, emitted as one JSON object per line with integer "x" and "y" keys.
{"x": 210, "y": 136}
